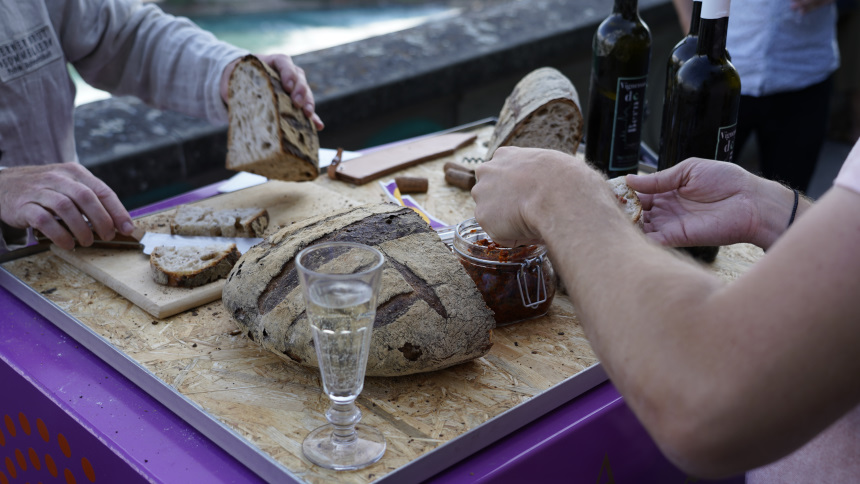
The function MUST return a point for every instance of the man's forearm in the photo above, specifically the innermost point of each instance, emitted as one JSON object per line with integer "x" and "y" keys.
{"x": 684, "y": 348}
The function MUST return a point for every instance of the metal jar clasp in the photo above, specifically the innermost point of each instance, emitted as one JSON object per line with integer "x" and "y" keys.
{"x": 532, "y": 265}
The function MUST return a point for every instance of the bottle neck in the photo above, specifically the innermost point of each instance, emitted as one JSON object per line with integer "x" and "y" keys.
{"x": 628, "y": 9}
{"x": 712, "y": 37}
{"x": 713, "y": 26}
{"x": 695, "y": 21}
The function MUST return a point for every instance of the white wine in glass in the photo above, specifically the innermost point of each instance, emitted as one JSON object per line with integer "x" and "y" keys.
{"x": 340, "y": 282}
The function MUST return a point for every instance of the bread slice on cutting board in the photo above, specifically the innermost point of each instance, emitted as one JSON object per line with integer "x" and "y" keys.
{"x": 237, "y": 222}
{"x": 542, "y": 111}
{"x": 267, "y": 135}
{"x": 192, "y": 266}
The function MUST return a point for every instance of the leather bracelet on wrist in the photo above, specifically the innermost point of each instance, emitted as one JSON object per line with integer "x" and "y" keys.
{"x": 794, "y": 209}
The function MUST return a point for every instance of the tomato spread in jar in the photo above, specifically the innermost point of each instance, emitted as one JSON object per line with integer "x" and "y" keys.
{"x": 517, "y": 283}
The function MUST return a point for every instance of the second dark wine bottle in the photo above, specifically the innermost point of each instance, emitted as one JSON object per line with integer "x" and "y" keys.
{"x": 700, "y": 110}
{"x": 704, "y": 98}
{"x": 683, "y": 51}
{"x": 621, "y": 54}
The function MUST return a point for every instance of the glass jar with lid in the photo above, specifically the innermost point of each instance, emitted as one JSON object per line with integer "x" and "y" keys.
{"x": 517, "y": 283}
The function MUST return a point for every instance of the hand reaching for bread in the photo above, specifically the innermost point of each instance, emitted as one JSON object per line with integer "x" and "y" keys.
{"x": 55, "y": 199}
{"x": 704, "y": 202}
{"x": 520, "y": 187}
{"x": 292, "y": 79}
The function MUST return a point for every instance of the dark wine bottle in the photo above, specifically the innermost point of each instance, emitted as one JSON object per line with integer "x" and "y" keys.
{"x": 700, "y": 112}
{"x": 705, "y": 95}
{"x": 621, "y": 54}
{"x": 681, "y": 53}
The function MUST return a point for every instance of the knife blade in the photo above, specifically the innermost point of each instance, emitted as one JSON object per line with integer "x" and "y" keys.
{"x": 151, "y": 240}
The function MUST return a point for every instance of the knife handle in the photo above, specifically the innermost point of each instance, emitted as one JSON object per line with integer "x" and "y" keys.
{"x": 119, "y": 241}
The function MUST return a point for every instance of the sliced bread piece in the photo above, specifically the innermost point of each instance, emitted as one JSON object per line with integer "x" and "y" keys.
{"x": 542, "y": 111}
{"x": 628, "y": 199}
{"x": 192, "y": 266}
{"x": 267, "y": 135}
{"x": 236, "y": 222}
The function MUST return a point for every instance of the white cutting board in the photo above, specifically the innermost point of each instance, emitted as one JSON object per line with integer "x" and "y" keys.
{"x": 127, "y": 271}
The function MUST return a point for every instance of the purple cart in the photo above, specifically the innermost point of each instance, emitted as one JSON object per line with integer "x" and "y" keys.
{"x": 69, "y": 414}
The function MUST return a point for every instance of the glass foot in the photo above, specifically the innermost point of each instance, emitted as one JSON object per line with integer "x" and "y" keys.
{"x": 320, "y": 449}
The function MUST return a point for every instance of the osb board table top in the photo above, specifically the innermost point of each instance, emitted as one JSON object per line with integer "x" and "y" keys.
{"x": 273, "y": 404}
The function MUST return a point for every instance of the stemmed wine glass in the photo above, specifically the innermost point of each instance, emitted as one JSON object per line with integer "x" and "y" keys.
{"x": 340, "y": 284}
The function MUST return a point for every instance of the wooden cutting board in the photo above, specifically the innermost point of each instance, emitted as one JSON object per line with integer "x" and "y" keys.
{"x": 127, "y": 271}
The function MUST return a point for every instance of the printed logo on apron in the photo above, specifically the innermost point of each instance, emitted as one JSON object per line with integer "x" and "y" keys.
{"x": 28, "y": 53}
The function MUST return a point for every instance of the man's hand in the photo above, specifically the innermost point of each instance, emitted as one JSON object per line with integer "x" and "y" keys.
{"x": 522, "y": 187}
{"x": 700, "y": 202}
{"x": 42, "y": 196}
{"x": 292, "y": 79}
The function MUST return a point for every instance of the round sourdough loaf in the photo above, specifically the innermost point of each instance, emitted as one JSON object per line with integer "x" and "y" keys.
{"x": 429, "y": 316}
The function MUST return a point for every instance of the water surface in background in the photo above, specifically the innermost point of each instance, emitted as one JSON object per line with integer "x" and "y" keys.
{"x": 298, "y": 32}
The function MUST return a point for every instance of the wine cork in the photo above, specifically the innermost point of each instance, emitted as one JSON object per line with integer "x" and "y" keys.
{"x": 464, "y": 179}
{"x": 411, "y": 184}
{"x": 456, "y": 166}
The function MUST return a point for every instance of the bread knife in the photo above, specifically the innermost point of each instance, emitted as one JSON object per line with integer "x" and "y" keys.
{"x": 147, "y": 241}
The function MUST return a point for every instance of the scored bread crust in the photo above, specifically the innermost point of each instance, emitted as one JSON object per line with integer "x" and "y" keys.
{"x": 267, "y": 135}
{"x": 192, "y": 266}
{"x": 236, "y": 222}
{"x": 542, "y": 111}
{"x": 430, "y": 314}
{"x": 627, "y": 199}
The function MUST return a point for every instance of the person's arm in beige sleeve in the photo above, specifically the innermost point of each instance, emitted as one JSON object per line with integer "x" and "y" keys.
{"x": 724, "y": 376}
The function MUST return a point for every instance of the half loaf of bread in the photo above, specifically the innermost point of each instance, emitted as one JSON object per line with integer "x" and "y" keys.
{"x": 429, "y": 314}
{"x": 192, "y": 266}
{"x": 236, "y": 222}
{"x": 541, "y": 112}
{"x": 267, "y": 135}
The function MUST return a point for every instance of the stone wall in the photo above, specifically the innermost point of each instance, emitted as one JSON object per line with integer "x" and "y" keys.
{"x": 435, "y": 76}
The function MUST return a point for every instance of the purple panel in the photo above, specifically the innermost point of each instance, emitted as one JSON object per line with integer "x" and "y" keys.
{"x": 141, "y": 433}
{"x": 592, "y": 439}
{"x": 40, "y": 442}
{"x": 192, "y": 196}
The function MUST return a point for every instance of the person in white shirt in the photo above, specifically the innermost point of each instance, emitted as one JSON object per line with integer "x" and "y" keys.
{"x": 125, "y": 47}
{"x": 786, "y": 53}
{"x": 726, "y": 377}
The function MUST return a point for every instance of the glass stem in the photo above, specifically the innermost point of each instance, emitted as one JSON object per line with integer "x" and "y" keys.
{"x": 343, "y": 416}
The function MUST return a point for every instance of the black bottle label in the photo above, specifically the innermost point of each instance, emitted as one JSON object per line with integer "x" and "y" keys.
{"x": 627, "y": 124}
{"x": 726, "y": 143}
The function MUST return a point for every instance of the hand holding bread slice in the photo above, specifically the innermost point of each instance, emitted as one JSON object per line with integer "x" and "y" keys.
{"x": 267, "y": 135}
{"x": 543, "y": 111}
